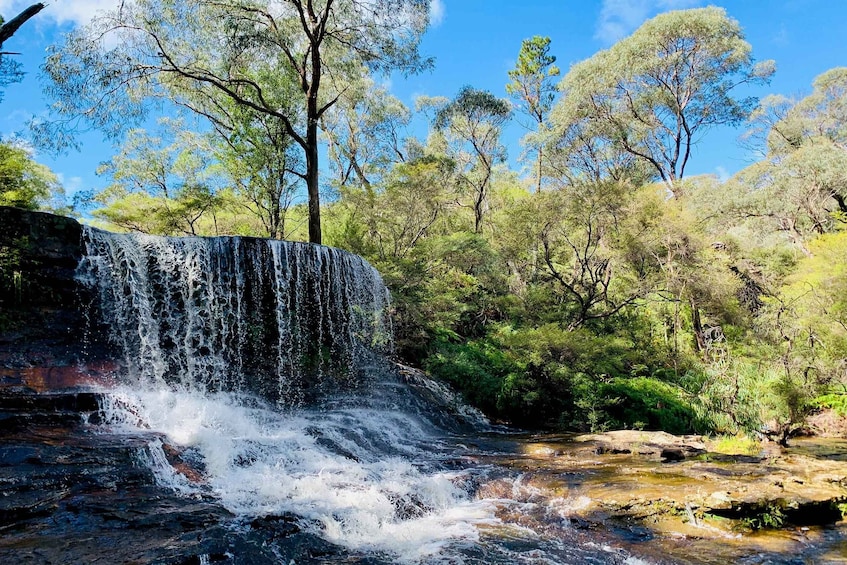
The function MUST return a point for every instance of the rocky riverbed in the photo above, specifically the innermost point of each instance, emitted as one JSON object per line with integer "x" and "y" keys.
{"x": 75, "y": 493}
{"x": 676, "y": 496}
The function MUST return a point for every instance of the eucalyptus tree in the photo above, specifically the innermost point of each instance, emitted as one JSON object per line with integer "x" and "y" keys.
{"x": 532, "y": 87}
{"x": 578, "y": 152}
{"x": 365, "y": 133}
{"x": 784, "y": 124}
{"x": 472, "y": 123}
{"x": 581, "y": 229}
{"x": 800, "y": 187}
{"x": 161, "y": 184}
{"x": 260, "y": 160}
{"x": 656, "y": 92}
{"x": 256, "y": 53}
{"x": 813, "y": 134}
{"x": 25, "y": 183}
{"x": 10, "y": 70}
{"x": 386, "y": 222}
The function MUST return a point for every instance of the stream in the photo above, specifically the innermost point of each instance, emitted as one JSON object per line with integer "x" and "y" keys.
{"x": 383, "y": 482}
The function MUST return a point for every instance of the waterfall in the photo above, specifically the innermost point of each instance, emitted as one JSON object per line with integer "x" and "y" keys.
{"x": 286, "y": 321}
{"x": 217, "y": 334}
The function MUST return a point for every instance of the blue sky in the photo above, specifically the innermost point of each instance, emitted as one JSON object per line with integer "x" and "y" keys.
{"x": 475, "y": 42}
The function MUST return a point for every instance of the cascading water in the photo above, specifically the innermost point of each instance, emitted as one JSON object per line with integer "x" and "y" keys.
{"x": 285, "y": 321}
{"x": 261, "y": 360}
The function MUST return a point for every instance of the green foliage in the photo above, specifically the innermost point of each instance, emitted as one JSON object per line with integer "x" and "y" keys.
{"x": 550, "y": 376}
{"x": 471, "y": 125}
{"x": 836, "y": 402}
{"x": 364, "y": 131}
{"x": 737, "y": 396}
{"x": 800, "y": 186}
{"x": 806, "y": 323}
{"x": 479, "y": 370}
{"x": 161, "y": 184}
{"x": 386, "y": 221}
{"x": 648, "y": 403}
{"x": 258, "y": 156}
{"x": 736, "y": 445}
{"x": 768, "y": 514}
{"x": 532, "y": 76}
{"x": 473, "y": 106}
{"x": 653, "y": 93}
{"x": 27, "y": 184}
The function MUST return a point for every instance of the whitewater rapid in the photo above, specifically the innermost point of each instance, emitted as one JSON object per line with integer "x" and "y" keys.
{"x": 365, "y": 479}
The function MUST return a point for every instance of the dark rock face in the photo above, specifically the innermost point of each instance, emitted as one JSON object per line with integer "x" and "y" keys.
{"x": 43, "y": 319}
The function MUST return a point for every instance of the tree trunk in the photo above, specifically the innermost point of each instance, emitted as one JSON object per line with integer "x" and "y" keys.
{"x": 699, "y": 342}
{"x": 312, "y": 181}
{"x": 312, "y": 117}
{"x": 8, "y": 29}
{"x": 482, "y": 194}
{"x": 842, "y": 203}
{"x": 538, "y": 172}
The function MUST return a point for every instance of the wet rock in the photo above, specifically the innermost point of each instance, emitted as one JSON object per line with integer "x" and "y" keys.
{"x": 43, "y": 319}
{"x": 802, "y": 485}
{"x": 658, "y": 445}
{"x": 445, "y": 407}
{"x": 673, "y": 454}
{"x": 74, "y": 493}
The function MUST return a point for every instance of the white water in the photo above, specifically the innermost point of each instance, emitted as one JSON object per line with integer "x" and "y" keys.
{"x": 368, "y": 478}
{"x": 282, "y": 320}
{"x": 348, "y": 473}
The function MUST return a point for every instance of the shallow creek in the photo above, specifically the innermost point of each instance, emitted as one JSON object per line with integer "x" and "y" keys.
{"x": 686, "y": 511}
{"x": 387, "y": 486}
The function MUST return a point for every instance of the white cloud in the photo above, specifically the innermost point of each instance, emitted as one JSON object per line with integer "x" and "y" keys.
{"x": 722, "y": 174}
{"x": 781, "y": 37}
{"x": 619, "y": 18}
{"x": 436, "y": 12}
{"x": 60, "y": 11}
{"x": 72, "y": 185}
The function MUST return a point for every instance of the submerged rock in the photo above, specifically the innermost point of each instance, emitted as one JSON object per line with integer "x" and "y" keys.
{"x": 625, "y": 475}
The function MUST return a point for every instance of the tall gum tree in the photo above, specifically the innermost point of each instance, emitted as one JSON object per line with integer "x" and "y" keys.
{"x": 105, "y": 74}
{"x": 533, "y": 89}
{"x": 365, "y": 133}
{"x": 472, "y": 123}
{"x": 161, "y": 183}
{"x": 654, "y": 93}
{"x": 800, "y": 187}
